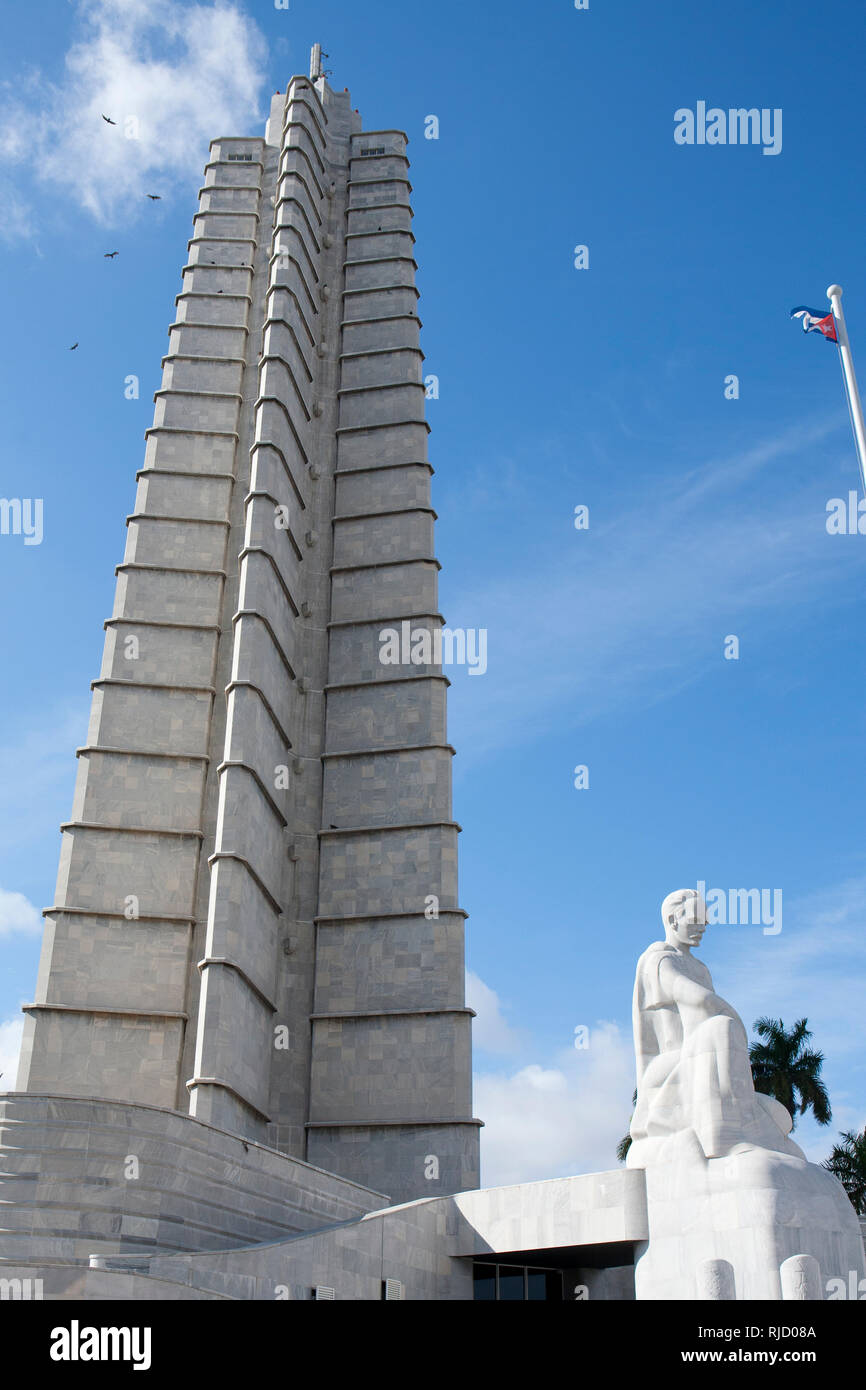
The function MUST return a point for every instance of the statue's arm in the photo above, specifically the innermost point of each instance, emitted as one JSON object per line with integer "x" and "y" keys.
{"x": 689, "y": 993}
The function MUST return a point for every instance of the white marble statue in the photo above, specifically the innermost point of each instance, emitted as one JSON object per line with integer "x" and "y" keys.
{"x": 694, "y": 1080}
{"x": 734, "y": 1209}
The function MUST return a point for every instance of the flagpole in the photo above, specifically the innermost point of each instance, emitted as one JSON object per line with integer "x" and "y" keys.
{"x": 834, "y": 294}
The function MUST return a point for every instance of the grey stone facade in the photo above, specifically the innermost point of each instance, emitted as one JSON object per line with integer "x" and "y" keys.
{"x": 242, "y": 929}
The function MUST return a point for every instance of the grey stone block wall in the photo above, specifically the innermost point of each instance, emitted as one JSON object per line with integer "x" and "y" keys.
{"x": 366, "y": 963}
{"x": 406, "y": 1154}
{"x": 256, "y": 917}
{"x": 395, "y": 712}
{"x": 81, "y": 1177}
{"x": 391, "y": 1034}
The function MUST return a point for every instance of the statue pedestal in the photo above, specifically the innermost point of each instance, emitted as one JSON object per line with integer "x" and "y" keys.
{"x": 753, "y": 1211}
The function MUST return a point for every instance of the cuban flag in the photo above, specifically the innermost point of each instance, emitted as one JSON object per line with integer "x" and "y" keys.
{"x": 816, "y": 321}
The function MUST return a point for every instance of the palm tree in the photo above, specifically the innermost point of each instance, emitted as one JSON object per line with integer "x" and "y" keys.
{"x": 847, "y": 1162}
{"x": 624, "y": 1144}
{"x": 784, "y": 1067}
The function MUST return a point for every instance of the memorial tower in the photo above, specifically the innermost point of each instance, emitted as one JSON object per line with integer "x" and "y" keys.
{"x": 256, "y": 919}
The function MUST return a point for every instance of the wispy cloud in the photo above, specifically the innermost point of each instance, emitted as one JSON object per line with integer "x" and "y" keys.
{"x": 719, "y": 476}
{"x": 816, "y": 966}
{"x": 16, "y": 217}
{"x": 637, "y": 607}
{"x": 171, "y": 74}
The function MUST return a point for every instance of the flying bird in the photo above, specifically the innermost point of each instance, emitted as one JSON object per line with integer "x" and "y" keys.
{"x": 154, "y": 197}
{"x": 109, "y": 255}
{"x": 74, "y": 346}
{"x": 108, "y": 120}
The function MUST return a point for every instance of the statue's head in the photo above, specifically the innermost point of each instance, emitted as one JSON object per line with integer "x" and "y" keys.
{"x": 684, "y": 914}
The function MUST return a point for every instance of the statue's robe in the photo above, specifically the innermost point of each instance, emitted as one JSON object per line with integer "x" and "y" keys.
{"x": 694, "y": 1081}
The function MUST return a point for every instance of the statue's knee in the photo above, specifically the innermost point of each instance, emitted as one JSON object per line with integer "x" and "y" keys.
{"x": 720, "y": 1026}
{"x": 726, "y": 1034}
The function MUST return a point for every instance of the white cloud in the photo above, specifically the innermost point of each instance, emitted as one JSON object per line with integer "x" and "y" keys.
{"x": 563, "y": 1118}
{"x": 174, "y": 74}
{"x": 16, "y": 217}
{"x": 10, "y": 1046}
{"x": 490, "y": 1030}
{"x": 17, "y": 913}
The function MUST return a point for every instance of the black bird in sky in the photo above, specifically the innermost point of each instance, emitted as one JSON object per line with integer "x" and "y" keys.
{"x": 108, "y": 120}
{"x": 154, "y": 197}
{"x": 74, "y": 346}
{"x": 109, "y": 255}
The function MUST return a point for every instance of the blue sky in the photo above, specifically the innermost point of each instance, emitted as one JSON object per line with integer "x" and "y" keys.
{"x": 558, "y": 387}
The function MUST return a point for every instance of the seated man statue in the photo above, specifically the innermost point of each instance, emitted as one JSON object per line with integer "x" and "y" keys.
{"x": 734, "y": 1209}
{"x": 694, "y": 1081}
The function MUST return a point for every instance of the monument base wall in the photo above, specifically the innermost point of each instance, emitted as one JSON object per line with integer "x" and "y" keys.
{"x": 81, "y": 1177}
{"x": 427, "y": 1247}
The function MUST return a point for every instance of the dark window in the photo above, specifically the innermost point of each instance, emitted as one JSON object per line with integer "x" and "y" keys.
{"x": 511, "y": 1284}
{"x": 544, "y": 1285}
{"x": 516, "y": 1284}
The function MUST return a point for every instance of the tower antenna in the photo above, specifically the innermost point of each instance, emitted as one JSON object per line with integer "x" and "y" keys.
{"x": 316, "y": 69}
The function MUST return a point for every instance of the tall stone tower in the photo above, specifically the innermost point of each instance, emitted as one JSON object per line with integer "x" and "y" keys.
{"x": 256, "y": 919}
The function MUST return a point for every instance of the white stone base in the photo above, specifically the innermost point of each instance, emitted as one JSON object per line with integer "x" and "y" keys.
{"x": 753, "y": 1210}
